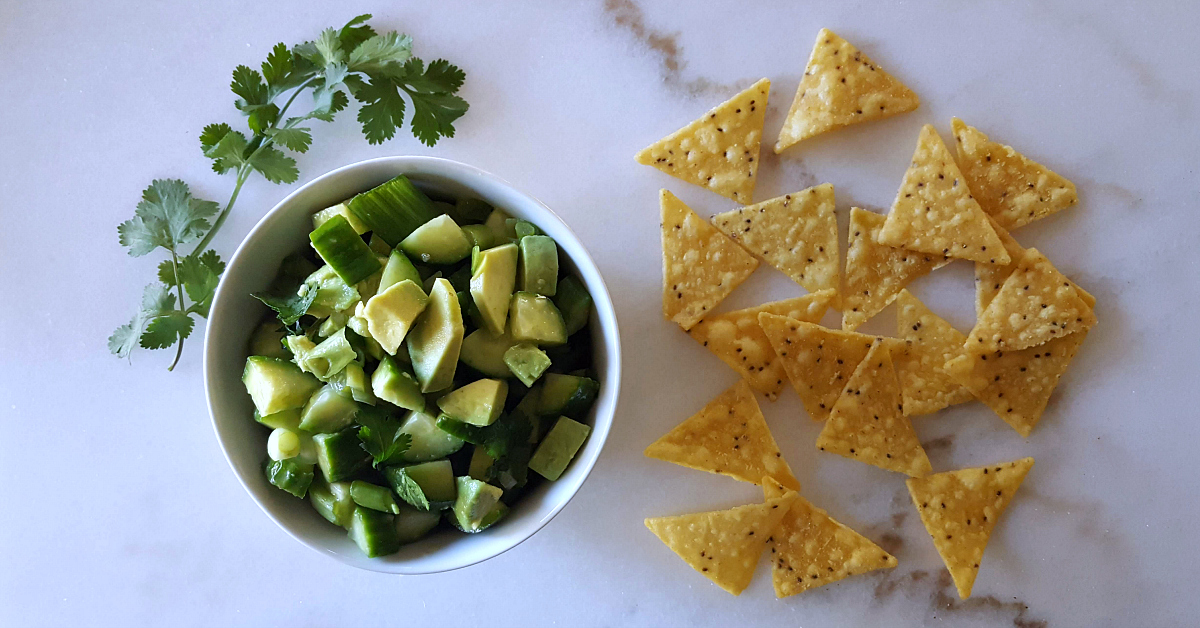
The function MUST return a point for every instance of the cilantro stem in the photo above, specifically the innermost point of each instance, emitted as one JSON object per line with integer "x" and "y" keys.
{"x": 299, "y": 89}
{"x": 182, "y": 306}
{"x": 242, "y": 175}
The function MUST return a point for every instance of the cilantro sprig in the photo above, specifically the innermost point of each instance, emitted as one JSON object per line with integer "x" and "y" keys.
{"x": 377, "y": 70}
{"x": 381, "y": 437}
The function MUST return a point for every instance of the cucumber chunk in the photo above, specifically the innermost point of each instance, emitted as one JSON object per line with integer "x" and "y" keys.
{"x": 287, "y": 419}
{"x": 290, "y": 476}
{"x": 439, "y": 241}
{"x": 435, "y": 341}
{"x": 479, "y": 236}
{"x": 539, "y": 265}
{"x": 395, "y": 384}
{"x": 497, "y": 223}
{"x": 527, "y": 362}
{"x": 471, "y": 210}
{"x": 567, "y": 395}
{"x": 374, "y": 532}
{"x": 534, "y": 318}
{"x": 322, "y": 360}
{"x": 328, "y": 411}
{"x": 333, "y": 293}
{"x": 561, "y": 444}
{"x": 342, "y": 248}
{"x": 339, "y": 455}
{"x": 474, "y": 501}
{"x": 340, "y": 209}
{"x": 574, "y": 303}
{"x": 381, "y": 248}
{"x": 391, "y": 313}
{"x": 373, "y": 496}
{"x": 412, "y": 524}
{"x": 393, "y": 210}
{"x": 426, "y": 486}
{"x": 267, "y": 341}
{"x": 332, "y": 501}
{"x": 276, "y": 385}
{"x": 429, "y": 442}
{"x": 397, "y": 269}
{"x": 477, "y": 403}
{"x": 484, "y": 352}
{"x": 492, "y": 282}
{"x": 353, "y": 381}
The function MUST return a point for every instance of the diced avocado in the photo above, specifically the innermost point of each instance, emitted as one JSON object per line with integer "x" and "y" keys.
{"x": 339, "y": 455}
{"x": 290, "y": 475}
{"x": 492, "y": 284}
{"x": 527, "y": 362}
{"x": 381, "y": 247}
{"x": 477, "y": 403}
{"x": 539, "y": 265}
{"x": 528, "y": 407}
{"x": 344, "y": 250}
{"x": 426, "y": 486}
{"x": 395, "y": 384}
{"x": 429, "y": 442}
{"x": 374, "y": 532}
{"x": 574, "y": 303}
{"x": 391, "y": 313}
{"x": 369, "y": 287}
{"x": 471, "y": 313}
{"x": 559, "y": 446}
{"x": 435, "y": 341}
{"x": 333, "y": 501}
{"x": 479, "y": 236}
{"x": 439, "y": 241}
{"x": 267, "y": 341}
{"x": 340, "y": 209}
{"x": 497, "y": 223}
{"x": 533, "y": 317}
{"x": 481, "y": 461}
{"x": 333, "y": 293}
{"x": 412, "y": 524}
{"x": 331, "y": 325}
{"x": 522, "y": 228}
{"x": 276, "y": 385}
{"x": 397, "y": 269}
{"x": 474, "y": 501}
{"x": 353, "y": 381}
{"x": 325, "y": 359}
{"x": 567, "y": 395}
{"x": 329, "y": 410}
{"x": 461, "y": 279}
{"x": 393, "y": 210}
{"x": 373, "y": 496}
{"x": 484, "y": 352}
{"x": 287, "y": 419}
{"x": 471, "y": 210}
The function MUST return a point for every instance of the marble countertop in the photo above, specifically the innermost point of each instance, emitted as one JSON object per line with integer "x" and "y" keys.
{"x": 122, "y": 511}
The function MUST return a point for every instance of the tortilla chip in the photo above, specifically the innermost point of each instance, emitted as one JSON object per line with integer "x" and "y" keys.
{"x": 818, "y": 360}
{"x": 739, "y": 341}
{"x": 841, "y": 86}
{"x": 934, "y": 211}
{"x": 867, "y": 422}
{"x": 724, "y": 545}
{"x": 1016, "y": 385}
{"x": 811, "y": 549}
{"x": 959, "y": 510}
{"x": 719, "y": 150}
{"x": 990, "y": 277}
{"x": 1010, "y": 187}
{"x": 700, "y": 265}
{"x": 796, "y": 233}
{"x": 875, "y": 273}
{"x": 1036, "y": 304}
{"x": 728, "y": 436}
{"x": 924, "y": 382}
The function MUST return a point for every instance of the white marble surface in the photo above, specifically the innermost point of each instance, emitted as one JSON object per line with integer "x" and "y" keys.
{"x": 121, "y": 511}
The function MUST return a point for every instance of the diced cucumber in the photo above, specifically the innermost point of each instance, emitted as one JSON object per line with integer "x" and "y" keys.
{"x": 287, "y": 419}
{"x": 395, "y": 384}
{"x": 539, "y": 265}
{"x": 331, "y": 325}
{"x": 296, "y": 267}
{"x": 374, "y": 532}
{"x": 369, "y": 287}
{"x": 484, "y": 352}
{"x": 471, "y": 313}
{"x": 373, "y": 496}
{"x": 391, "y": 313}
{"x": 477, "y": 403}
{"x": 380, "y": 247}
{"x": 426, "y": 486}
{"x": 393, "y": 210}
{"x": 574, "y": 303}
{"x": 333, "y": 293}
{"x": 528, "y": 408}
{"x": 268, "y": 341}
{"x": 398, "y": 269}
{"x": 276, "y": 385}
{"x": 339, "y": 455}
{"x": 471, "y": 210}
{"x": 439, "y": 241}
{"x": 567, "y": 395}
{"x": 435, "y": 341}
{"x": 481, "y": 461}
{"x": 492, "y": 284}
{"x": 323, "y": 360}
{"x": 353, "y": 381}
{"x": 527, "y": 362}
{"x": 290, "y": 476}
{"x": 343, "y": 249}
{"x": 497, "y": 223}
{"x": 428, "y": 441}
{"x": 333, "y": 501}
{"x": 461, "y": 279}
{"x": 475, "y": 499}
{"x": 444, "y": 207}
{"x": 479, "y": 236}
{"x": 557, "y": 449}
{"x": 340, "y": 209}
{"x": 329, "y": 410}
{"x": 533, "y": 317}
{"x": 412, "y": 524}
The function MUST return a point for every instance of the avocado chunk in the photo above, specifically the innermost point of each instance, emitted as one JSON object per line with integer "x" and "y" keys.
{"x": 391, "y": 313}
{"x": 397, "y": 269}
{"x": 374, "y": 532}
{"x": 353, "y": 381}
{"x": 480, "y": 236}
{"x": 412, "y": 524}
{"x": 474, "y": 501}
{"x": 481, "y": 462}
{"x": 563, "y": 440}
{"x": 494, "y": 515}
{"x": 534, "y": 318}
{"x": 268, "y": 341}
{"x": 439, "y": 241}
{"x": 435, "y": 341}
{"x": 287, "y": 419}
{"x": 395, "y": 384}
{"x": 498, "y": 223}
{"x": 492, "y": 284}
{"x": 429, "y": 442}
{"x": 340, "y": 209}
{"x": 332, "y": 501}
{"x": 373, "y": 496}
{"x": 328, "y": 411}
{"x": 484, "y": 352}
{"x": 426, "y": 486}
{"x": 477, "y": 403}
{"x": 276, "y": 385}
{"x": 527, "y": 362}
{"x": 539, "y": 265}
{"x": 567, "y": 395}
{"x": 339, "y": 455}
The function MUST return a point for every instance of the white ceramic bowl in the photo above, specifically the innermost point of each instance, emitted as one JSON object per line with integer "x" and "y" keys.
{"x": 235, "y": 314}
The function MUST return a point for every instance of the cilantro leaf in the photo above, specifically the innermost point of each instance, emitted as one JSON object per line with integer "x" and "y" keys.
{"x": 248, "y": 85}
{"x": 294, "y": 138}
{"x": 434, "y": 116}
{"x": 274, "y": 165}
{"x": 213, "y": 134}
{"x": 333, "y": 102}
{"x": 290, "y": 308}
{"x": 381, "y": 437}
{"x": 167, "y": 216}
{"x": 228, "y": 152}
{"x": 200, "y": 275}
{"x": 431, "y": 90}
{"x": 283, "y": 71}
{"x": 355, "y": 32}
{"x": 379, "y": 50}
{"x": 329, "y": 47}
{"x": 382, "y": 111}
{"x": 156, "y": 300}
{"x": 164, "y": 331}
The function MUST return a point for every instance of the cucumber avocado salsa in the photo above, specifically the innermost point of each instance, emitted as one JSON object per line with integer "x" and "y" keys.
{"x": 419, "y": 366}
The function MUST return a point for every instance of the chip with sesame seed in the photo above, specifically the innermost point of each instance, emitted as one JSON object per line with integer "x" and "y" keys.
{"x": 925, "y": 384}
{"x": 796, "y": 233}
{"x": 700, "y": 265}
{"x": 811, "y": 549}
{"x": 960, "y": 509}
{"x": 728, "y": 436}
{"x": 719, "y": 150}
{"x": 724, "y": 545}
{"x": 738, "y": 340}
{"x": 876, "y": 273}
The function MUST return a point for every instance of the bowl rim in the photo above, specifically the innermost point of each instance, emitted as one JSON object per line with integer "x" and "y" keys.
{"x": 610, "y": 334}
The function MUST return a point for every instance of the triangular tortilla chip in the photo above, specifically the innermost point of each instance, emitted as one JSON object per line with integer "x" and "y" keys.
{"x": 700, "y": 265}
{"x": 990, "y": 277}
{"x": 796, "y": 233}
{"x": 934, "y": 211}
{"x": 1016, "y": 385}
{"x": 876, "y": 273}
{"x": 724, "y": 545}
{"x": 959, "y": 510}
{"x": 841, "y": 86}
{"x": 718, "y": 150}
{"x": 1010, "y": 187}
{"x": 811, "y": 549}
{"x": 818, "y": 360}
{"x": 739, "y": 341}
{"x": 1035, "y": 305}
{"x": 925, "y": 384}
{"x": 867, "y": 422}
{"x": 728, "y": 436}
